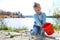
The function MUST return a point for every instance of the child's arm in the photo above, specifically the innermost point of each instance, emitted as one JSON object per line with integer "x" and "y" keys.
{"x": 44, "y": 18}
{"x": 37, "y": 20}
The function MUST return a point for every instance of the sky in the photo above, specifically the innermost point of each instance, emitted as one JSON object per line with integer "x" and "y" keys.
{"x": 25, "y": 6}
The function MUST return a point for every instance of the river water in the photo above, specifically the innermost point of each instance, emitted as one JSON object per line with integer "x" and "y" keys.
{"x": 20, "y": 22}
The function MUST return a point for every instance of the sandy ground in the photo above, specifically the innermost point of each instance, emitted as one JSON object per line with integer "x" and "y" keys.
{"x": 25, "y": 35}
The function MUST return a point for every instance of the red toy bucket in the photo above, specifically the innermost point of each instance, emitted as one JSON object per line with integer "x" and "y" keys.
{"x": 48, "y": 28}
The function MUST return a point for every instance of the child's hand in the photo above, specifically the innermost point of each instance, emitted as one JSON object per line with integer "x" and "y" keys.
{"x": 41, "y": 26}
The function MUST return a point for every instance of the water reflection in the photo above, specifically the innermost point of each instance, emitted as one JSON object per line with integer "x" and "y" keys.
{"x": 20, "y": 22}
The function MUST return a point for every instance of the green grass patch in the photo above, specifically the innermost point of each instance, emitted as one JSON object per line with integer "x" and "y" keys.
{"x": 6, "y": 28}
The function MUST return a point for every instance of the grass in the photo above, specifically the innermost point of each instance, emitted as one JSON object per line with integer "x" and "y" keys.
{"x": 20, "y": 29}
{"x": 9, "y": 29}
{"x": 6, "y": 28}
{"x": 16, "y": 30}
{"x": 56, "y": 27}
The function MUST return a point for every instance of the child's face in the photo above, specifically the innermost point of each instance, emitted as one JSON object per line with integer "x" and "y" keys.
{"x": 37, "y": 9}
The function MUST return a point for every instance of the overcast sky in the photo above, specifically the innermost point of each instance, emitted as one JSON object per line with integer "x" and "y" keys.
{"x": 25, "y": 6}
